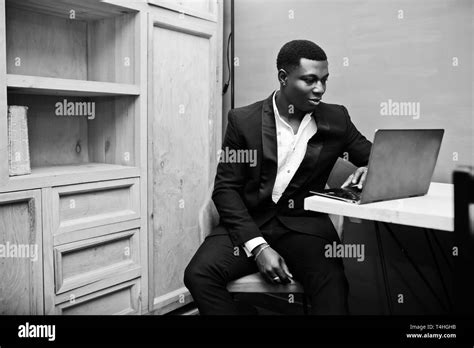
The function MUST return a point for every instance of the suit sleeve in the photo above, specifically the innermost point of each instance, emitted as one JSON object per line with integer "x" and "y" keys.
{"x": 357, "y": 146}
{"x": 228, "y": 186}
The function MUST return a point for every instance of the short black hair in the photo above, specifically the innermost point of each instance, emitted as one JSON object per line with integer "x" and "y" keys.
{"x": 291, "y": 53}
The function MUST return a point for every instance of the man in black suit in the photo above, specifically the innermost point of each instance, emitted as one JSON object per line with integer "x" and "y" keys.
{"x": 296, "y": 139}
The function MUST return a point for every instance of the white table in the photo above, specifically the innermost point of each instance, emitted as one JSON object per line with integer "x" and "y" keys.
{"x": 435, "y": 210}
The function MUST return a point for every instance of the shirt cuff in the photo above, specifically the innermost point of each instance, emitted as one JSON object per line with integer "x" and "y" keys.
{"x": 251, "y": 244}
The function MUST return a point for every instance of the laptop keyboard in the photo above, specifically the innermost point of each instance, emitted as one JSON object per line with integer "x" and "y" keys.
{"x": 347, "y": 193}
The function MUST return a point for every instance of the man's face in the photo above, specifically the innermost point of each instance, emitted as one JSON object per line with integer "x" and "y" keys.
{"x": 306, "y": 84}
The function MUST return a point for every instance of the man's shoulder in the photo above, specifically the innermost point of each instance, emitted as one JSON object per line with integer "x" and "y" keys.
{"x": 335, "y": 114}
{"x": 332, "y": 108}
{"x": 248, "y": 111}
{"x": 255, "y": 109}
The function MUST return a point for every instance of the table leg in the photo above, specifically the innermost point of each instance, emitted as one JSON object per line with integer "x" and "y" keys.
{"x": 384, "y": 269}
{"x": 410, "y": 260}
{"x": 449, "y": 263}
{"x": 440, "y": 275}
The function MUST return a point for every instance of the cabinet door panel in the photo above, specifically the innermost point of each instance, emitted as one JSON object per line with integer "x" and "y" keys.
{"x": 21, "y": 256}
{"x": 183, "y": 116}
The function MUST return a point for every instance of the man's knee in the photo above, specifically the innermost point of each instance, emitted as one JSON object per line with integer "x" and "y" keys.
{"x": 198, "y": 273}
{"x": 191, "y": 275}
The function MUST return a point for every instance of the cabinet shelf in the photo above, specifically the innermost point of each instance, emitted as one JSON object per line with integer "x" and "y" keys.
{"x": 25, "y": 84}
{"x": 83, "y": 10}
{"x": 69, "y": 174}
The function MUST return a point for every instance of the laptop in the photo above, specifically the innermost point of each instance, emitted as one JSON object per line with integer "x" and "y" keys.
{"x": 401, "y": 165}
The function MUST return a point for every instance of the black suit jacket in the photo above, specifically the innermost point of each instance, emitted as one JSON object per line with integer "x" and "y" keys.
{"x": 243, "y": 193}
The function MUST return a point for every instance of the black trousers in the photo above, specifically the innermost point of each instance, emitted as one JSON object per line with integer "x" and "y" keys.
{"x": 218, "y": 262}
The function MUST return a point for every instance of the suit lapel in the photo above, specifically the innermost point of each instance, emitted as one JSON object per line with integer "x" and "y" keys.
{"x": 269, "y": 147}
{"x": 313, "y": 150}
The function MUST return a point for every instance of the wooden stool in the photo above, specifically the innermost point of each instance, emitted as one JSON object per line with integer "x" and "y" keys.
{"x": 255, "y": 283}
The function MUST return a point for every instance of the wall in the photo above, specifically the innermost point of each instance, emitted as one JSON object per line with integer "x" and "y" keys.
{"x": 404, "y": 51}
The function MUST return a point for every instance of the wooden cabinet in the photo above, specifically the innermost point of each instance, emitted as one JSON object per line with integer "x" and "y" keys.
{"x": 21, "y": 254}
{"x": 113, "y": 196}
{"x": 80, "y": 68}
{"x": 184, "y": 128}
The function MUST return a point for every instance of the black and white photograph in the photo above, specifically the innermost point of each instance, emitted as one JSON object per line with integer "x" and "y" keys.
{"x": 236, "y": 172}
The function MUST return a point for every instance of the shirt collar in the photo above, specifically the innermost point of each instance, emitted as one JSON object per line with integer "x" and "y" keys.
{"x": 277, "y": 113}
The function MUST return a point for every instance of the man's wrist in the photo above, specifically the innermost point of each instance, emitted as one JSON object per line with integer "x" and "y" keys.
{"x": 257, "y": 248}
{"x": 252, "y": 244}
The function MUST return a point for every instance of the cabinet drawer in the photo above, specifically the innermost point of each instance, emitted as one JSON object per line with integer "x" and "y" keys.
{"x": 83, "y": 206}
{"x": 96, "y": 260}
{"x": 120, "y": 299}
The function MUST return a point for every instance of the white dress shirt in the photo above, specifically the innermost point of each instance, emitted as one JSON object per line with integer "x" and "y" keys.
{"x": 291, "y": 149}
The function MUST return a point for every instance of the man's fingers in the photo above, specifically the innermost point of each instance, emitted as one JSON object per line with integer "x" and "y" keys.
{"x": 357, "y": 175}
{"x": 348, "y": 181}
{"x": 268, "y": 276}
{"x": 283, "y": 276}
{"x": 274, "y": 277}
{"x": 285, "y": 268}
{"x": 363, "y": 178}
{"x": 357, "y": 178}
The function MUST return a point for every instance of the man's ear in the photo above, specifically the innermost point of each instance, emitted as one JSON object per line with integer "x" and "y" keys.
{"x": 282, "y": 76}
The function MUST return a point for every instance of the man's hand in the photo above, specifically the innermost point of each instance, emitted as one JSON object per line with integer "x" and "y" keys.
{"x": 357, "y": 178}
{"x": 271, "y": 265}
